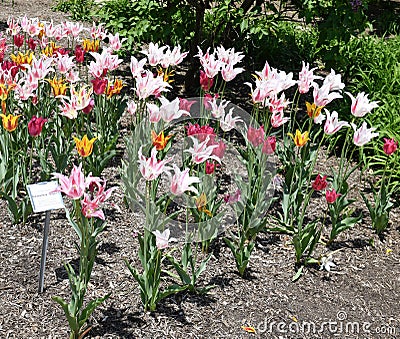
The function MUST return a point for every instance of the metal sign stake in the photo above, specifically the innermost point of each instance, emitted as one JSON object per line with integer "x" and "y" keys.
{"x": 44, "y": 250}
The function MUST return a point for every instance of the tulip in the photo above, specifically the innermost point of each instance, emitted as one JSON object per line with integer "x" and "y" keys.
{"x": 151, "y": 168}
{"x": 202, "y": 151}
{"x": 210, "y": 167}
{"x": 10, "y": 122}
{"x": 159, "y": 141}
{"x": 390, "y": 146}
{"x": 201, "y": 203}
{"x": 363, "y": 135}
{"x": 84, "y": 146}
{"x": 360, "y": 105}
{"x": 205, "y": 82}
{"x": 79, "y": 54}
{"x": 219, "y": 151}
{"x": 89, "y": 107}
{"x": 163, "y": 239}
{"x": 255, "y": 136}
{"x": 99, "y": 85}
{"x": 300, "y": 139}
{"x": 319, "y": 183}
{"x": 331, "y": 196}
{"x": 35, "y": 125}
{"x": 181, "y": 181}
{"x": 269, "y": 145}
{"x": 332, "y": 123}
{"x": 18, "y": 40}
{"x": 74, "y": 185}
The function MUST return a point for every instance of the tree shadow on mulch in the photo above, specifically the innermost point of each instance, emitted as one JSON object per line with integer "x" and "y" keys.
{"x": 118, "y": 322}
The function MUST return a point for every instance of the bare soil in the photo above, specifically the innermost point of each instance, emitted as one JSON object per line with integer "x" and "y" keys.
{"x": 359, "y": 298}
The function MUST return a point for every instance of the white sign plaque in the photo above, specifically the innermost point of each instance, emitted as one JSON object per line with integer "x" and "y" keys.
{"x": 43, "y": 197}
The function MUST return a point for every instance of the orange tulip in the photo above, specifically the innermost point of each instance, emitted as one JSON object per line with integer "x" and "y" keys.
{"x": 84, "y": 146}
{"x": 10, "y": 122}
{"x": 159, "y": 141}
{"x": 115, "y": 88}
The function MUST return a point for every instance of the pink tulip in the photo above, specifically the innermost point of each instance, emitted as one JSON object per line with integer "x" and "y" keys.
{"x": 278, "y": 120}
{"x": 332, "y": 123}
{"x": 228, "y": 122}
{"x": 269, "y": 145}
{"x": 360, "y": 105}
{"x": 181, "y": 181}
{"x": 136, "y": 66}
{"x": 79, "y": 54}
{"x": 185, "y": 104}
{"x": 210, "y": 167}
{"x": 91, "y": 208}
{"x": 331, "y": 196}
{"x": 202, "y": 151}
{"x": 18, "y": 40}
{"x": 163, "y": 239}
{"x": 230, "y": 199}
{"x": 151, "y": 168}
{"x": 99, "y": 85}
{"x": 306, "y": 78}
{"x": 148, "y": 85}
{"x": 323, "y": 96}
{"x": 115, "y": 42}
{"x": 35, "y": 125}
{"x": 74, "y": 186}
{"x": 334, "y": 81}
{"x": 319, "y": 183}
{"x": 169, "y": 110}
{"x": 255, "y": 136}
{"x": 154, "y": 53}
{"x": 219, "y": 151}
{"x": 205, "y": 82}
{"x": 390, "y": 146}
{"x": 363, "y": 135}
{"x": 229, "y": 73}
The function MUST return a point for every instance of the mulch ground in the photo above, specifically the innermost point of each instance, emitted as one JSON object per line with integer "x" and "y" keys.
{"x": 358, "y": 299}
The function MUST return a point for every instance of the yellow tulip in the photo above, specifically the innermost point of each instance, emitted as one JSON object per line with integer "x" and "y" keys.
{"x": 58, "y": 86}
{"x": 300, "y": 139}
{"x": 312, "y": 110}
{"x": 10, "y": 122}
{"x": 84, "y": 146}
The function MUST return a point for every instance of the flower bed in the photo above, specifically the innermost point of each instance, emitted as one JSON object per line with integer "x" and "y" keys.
{"x": 56, "y": 99}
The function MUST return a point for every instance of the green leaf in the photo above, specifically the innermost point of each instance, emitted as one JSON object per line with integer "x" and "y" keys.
{"x": 91, "y": 306}
{"x": 298, "y": 274}
{"x": 72, "y": 321}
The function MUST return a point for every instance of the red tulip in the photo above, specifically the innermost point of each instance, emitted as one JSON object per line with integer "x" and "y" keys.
{"x": 35, "y": 125}
{"x": 331, "y": 196}
{"x": 319, "y": 183}
{"x": 390, "y": 146}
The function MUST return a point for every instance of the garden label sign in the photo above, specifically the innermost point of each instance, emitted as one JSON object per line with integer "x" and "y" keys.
{"x": 44, "y": 198}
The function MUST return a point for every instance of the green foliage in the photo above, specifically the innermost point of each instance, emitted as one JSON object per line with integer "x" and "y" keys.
{"x": 188, "y": 270}
{"x": 144, "y": 21}
{"x": 78, "y": 9}
{"x": 373, "y": 67}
